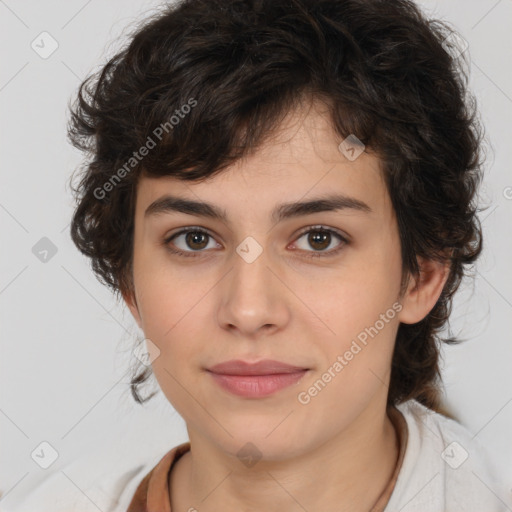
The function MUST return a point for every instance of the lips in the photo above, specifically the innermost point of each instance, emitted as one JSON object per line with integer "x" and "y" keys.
{"x": 264, "y": 367}
{"x": 256, "y": 380}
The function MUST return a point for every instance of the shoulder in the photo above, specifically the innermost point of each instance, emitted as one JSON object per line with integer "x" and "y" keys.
{"x": 445, "y": 468}
{"x": 69, "y": 489}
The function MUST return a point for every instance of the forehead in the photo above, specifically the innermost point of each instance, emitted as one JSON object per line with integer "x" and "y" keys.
{"x": 301, "y": 161}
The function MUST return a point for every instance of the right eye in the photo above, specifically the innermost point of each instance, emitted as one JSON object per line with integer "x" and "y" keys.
{"x": 192, "y": 237}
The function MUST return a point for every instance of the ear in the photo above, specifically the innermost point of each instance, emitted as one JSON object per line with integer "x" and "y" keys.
{"x": 423, "y": 292}
{"x": 131, "y": 302}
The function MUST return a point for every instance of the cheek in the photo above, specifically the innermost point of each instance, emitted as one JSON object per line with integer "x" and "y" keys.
{"x": 170, "y": 315}
{"x": 357, "y": 298}
{"x": 356, "y": 360}
{"x": 171, "y": 308}
{"x": 365, "y": 331}
{"x": 360, "y": 307}
{"x": 167, "y": 293}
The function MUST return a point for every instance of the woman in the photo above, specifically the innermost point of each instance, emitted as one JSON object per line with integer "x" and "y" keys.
{"x": 282, "y": 193}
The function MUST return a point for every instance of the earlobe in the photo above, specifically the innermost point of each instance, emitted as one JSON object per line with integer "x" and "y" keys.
{"x": 131, "y": 302}
{"x": 423, "y": 291}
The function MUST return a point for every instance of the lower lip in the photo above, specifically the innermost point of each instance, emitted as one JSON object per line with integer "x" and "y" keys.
{"x": 256, "y": 386}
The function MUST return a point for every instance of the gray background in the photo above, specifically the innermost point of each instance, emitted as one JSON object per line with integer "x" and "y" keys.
{"x": 66, "y": 345}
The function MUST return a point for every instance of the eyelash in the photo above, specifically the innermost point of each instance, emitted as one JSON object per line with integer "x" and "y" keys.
{"x": 313, "y": 254}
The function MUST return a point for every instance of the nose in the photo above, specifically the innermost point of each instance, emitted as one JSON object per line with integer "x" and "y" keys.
{"x": 253, "y": 298}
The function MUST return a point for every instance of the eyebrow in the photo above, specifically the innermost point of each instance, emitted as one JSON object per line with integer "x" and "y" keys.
{"x": 337, "y": 202}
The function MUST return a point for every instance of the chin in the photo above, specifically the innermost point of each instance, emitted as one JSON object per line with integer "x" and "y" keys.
{"x": 265, "y": 444}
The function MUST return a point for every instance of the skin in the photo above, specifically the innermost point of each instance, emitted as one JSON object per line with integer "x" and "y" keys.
{"x": 338, "y": 451}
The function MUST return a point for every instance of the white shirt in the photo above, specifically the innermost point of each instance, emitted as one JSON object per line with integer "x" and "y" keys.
{"x": 444, "y": 469}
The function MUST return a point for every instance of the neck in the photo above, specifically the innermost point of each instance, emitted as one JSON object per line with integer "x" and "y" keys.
{"x": 348, "y": 472}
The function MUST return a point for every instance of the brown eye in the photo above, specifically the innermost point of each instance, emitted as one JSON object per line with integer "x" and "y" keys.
{"x": 191, "y": 240}
{"x": 319, "y": 239}
{"x": 196, "y": 240}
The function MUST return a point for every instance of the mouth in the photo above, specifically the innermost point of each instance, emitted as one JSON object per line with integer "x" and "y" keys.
{"x": 256, "y": 380}
{"x": 263, "y": 367}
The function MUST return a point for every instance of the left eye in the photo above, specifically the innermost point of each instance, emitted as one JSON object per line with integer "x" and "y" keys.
{"x": 319, "y": 238}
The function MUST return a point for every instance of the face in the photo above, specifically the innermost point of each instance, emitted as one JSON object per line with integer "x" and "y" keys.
{"x": 319, "y": 290}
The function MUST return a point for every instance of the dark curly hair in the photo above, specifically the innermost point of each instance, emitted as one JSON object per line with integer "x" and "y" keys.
{"x": 389, "y": 75}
